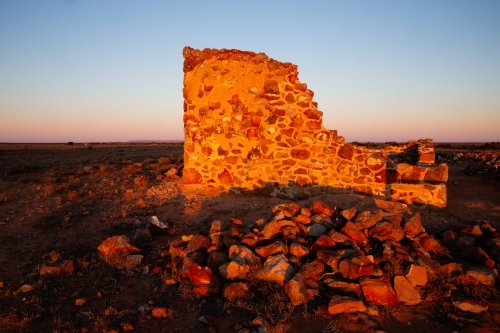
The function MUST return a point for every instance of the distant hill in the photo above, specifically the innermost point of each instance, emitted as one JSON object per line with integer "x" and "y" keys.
{"x": 156, "y": 141}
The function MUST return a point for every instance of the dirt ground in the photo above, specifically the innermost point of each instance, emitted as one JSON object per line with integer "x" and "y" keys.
{"x": 59, "y": 202}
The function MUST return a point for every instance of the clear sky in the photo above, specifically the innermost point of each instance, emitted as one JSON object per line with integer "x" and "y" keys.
{"x": 381, "y": 70}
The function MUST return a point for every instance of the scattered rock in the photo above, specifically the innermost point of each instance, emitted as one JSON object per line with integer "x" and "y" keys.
{"x": 316, "y": 230}
{"x": 379, "y": 292}
{"x": 478, "y": 255}
{"x": 349, "y": 213}
{"x": 234, "y": 270}
{"x": 298, "y": 250}
{"x": 65, "y": 268}
{"x": 157, "y": 226}
{"x": 469, "y": 306}
{"x": 297, "y": 292}
{"x": 161, "y": 312}
{"x": 235, "y": 290}
{"x": 413, "y": 227}
{"x": 386, "y": 231}
{"x": 355, "y": 267}
{"x": 197, "y": 242}
{"x": 342, "y": 286}
{"x": 319, "y": 207}
{"x": 345, "y": 304}
{"x": 416, "y": 275}
{"x": 366, "y": 219}
{"x": 271, "y": 249}
{"x": 26, "y": 288}
{"x": 451, "y": 269}
{"x": 483, "y": 275}
{"x": 273, "y": 228}
{"x": 276, "y": 269}
{"x": 80, "y": 301}
{"x": 117, "y": 245}
{"x": 405, "y": 291}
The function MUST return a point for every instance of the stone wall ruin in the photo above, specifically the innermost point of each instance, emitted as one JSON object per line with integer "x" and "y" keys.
{"x": 250, "y": 124}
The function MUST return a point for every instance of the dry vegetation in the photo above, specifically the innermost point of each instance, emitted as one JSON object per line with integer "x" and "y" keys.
{"x": 59, "y": 202}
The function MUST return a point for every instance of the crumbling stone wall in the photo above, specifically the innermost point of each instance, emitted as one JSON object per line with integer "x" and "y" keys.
{"x": 251, "y": 124}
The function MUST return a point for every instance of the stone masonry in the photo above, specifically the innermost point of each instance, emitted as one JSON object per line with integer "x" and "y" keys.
{"x": 250, "y": 124}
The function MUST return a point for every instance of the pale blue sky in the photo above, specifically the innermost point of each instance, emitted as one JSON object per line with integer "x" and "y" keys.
{"x": 381, "y": 70}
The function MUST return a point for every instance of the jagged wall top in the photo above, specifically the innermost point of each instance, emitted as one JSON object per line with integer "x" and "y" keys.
{"x": 250, "y": 122}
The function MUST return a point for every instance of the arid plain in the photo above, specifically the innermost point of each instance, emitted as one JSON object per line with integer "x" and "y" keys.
{"x": 59, "y": 202}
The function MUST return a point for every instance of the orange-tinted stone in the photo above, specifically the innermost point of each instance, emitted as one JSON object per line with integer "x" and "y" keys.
{"x": 301, "y": 154}
{"x": 191, "y": 176}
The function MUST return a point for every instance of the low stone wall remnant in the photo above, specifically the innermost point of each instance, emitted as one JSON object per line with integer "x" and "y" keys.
{"x": 251, "y": 124}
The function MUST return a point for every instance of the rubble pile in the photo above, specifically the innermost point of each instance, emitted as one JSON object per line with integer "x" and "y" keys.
{"x": 485, "y": 162}
{"x": 358, "y": 258}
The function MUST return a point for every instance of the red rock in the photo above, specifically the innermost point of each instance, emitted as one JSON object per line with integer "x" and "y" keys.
{"x": 65, "y": 268}
{"x": 323, "y": 242}
{"x": 416, "y": 275}
{"x": 198, "y": 242}
{"x": 366, "y": 219}
{"x": 243, "y": 252}
{"x": 340, "y": 238}
{"x": 343, "y": 286}
{"x": 386, "y": 231}
{"x": 405, "y": 292}
{"x": 345, "y": 304}
{"x": 289, "y": 233}
{"x": 161, "y": 312}
{"x": 430, "y": 244}
{"x": 297, "y": 292}
{"x": 451, "y": 270}
{"x": 346, "y": 151}
{"x": 319, "y": 207}
{"x": 234, "y": 271}
{"x": 271, "y": 87}
{"x": 349, "y": 214}
{"x": 288, "y": 210}
{"x": 235, "y": 290}
{"x": 298, "y": 250}
{"x": 216, "y": 243}
{"x": 276, "y": 269}
{"x": 483, "y": 275}
{"x": 205, "y": 282}
{"x": 117, "y": 245}
{"x": 413, "y": 227}
{"x": 379, "y": 292}
{"x": 250, "y": 239}
{"x": 395, "y": 219}
{"x": 195, "y": 257}
{"x": 305, "y": 211}
{"x": 236, "y": 221}
{"x": 176, "y": 247}
{"x": 354, "y": 234}
{"x": 271, "y": 249}
{"x": 356, "y": 267}
{"x": 191, "y": 176}
{"x": 273, "y": 228}
{"x": 303, "y": 219}
{"x": 126, "y": 326}
{"x": 333, "y": 257}
{"x": 312, "y": 269}
{"x": 217, "y": 226}
{"x": 471, "y": 306}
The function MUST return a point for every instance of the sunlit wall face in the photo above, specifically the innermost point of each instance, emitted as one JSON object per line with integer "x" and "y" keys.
{"x": 112, "y": 71}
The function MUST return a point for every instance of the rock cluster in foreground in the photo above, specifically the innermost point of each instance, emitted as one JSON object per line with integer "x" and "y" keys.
{"x": 364, "y": 258}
